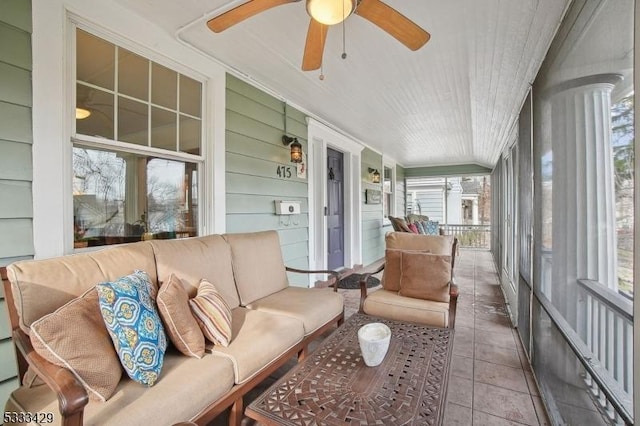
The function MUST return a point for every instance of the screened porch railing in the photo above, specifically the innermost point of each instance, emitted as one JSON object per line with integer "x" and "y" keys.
{"x": 470, "y": 236}
{"x": 608, "y": 334}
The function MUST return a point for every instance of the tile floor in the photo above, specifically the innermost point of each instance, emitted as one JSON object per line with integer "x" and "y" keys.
{"x": 491, "y": 381}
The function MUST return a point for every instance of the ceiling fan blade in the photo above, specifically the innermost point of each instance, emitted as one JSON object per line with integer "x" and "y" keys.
{"x": 394, "y": 23}
{"x": 314, "y": 47}
{"x": 242, "y": 12}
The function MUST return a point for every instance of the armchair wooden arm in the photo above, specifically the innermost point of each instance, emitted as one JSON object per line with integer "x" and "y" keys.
{"x": 453, "y": 302}
{"x": 334, "y": 274}
{"x": 363, "y": 285}
{"x": 72, "y": 396}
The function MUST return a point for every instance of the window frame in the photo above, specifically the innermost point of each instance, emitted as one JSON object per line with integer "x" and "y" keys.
{"x": 389, "y": 164}
{"x": 87, "y": 141}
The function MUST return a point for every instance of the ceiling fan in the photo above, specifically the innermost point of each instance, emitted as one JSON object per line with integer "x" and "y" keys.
{"x": 325, "y": 13}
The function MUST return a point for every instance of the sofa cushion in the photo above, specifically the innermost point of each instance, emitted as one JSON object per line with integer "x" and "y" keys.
{"x": 36, "y": 284}
{"x": 212, "y": 314}
{"x": 425, "y": 276}
{"x": 199, "y": 381}
{"x": 180, "y": 325}
{"x": 431, "y": 227}
{"x": 257, "y": 265}
{"x": 437, "y": 244}
{"x": 389, "y": 304}
{"x": 134, "y": 325}
{"x": 85, "y": 349}
{"x": 258, "y": 339}
{"x": 194, "y": 259}
{"x": 399, "y": 224}
{"x": 314, "y": 307}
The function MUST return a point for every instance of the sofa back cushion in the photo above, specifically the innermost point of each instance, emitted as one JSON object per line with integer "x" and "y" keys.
{"x": 41, "y": 286}
{"x": 195, "y": 259}
{"x": 257, "y": 265}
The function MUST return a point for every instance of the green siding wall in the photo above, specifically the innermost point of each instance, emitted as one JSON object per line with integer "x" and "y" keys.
{"x": 254, "y": 151}
{"x": 454, "y": 170}
{"x": 16, "y": 204}
{"x": 372, "y": 230}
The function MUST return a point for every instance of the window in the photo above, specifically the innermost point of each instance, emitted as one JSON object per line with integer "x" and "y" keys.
{"x": 387, "y": 188}
{"x": 136, "y": 147}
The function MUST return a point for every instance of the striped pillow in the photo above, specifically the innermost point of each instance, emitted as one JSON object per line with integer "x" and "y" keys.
{"x": 212, "y": 314}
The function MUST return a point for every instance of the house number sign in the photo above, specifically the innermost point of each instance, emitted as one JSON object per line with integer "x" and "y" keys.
{"x": 284, "y": 172}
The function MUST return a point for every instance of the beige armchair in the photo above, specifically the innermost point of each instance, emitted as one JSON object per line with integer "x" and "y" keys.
{"x": 417, "y": 281}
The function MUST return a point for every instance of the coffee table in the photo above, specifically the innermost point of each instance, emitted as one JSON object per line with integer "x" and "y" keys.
{"x": 333, "y": 386}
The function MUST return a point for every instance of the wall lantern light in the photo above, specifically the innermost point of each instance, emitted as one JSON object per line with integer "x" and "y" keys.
{"x": 375, "y": 175}
{"x": 296, "y": 148}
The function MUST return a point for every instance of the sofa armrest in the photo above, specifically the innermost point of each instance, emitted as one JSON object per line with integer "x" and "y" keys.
{"x": 72, "y": 396}
{"x": 363, "y": 285}
{"x": 334, "y": 274}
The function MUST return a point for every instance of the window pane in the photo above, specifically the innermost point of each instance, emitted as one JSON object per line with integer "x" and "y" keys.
{"x": 133, "y": 75}
{"x": 95, "y": 60}
{"x": 170, "y": 189}
{"x": 132, "y": 121}
{"x": 164, "y": 86}
{"x": 163, "y": 129}
{"x": 99, "y": 106}
{"x": 190, "y": 135}
{"x": 120, "y": 197}
{"x": 190, "y": 91}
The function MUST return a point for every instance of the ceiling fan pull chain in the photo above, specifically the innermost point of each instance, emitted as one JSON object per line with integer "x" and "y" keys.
{"x": 344, "y": 43}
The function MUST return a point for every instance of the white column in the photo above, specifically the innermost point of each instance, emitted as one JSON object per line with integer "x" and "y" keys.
{"x": 584, "y": 223}
{"x": 474, "y": 211}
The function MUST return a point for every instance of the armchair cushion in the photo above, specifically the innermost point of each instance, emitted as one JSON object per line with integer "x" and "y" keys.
{"x": 392, "y": 272}
{"x": 389, "y": 304}
{"x": 425, "y": 276}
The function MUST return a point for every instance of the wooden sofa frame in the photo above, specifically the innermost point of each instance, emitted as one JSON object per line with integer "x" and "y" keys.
{"x": 453, "y": 288}
{"x": 72, "y": 396}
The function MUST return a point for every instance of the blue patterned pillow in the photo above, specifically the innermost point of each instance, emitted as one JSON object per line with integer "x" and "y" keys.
{"x": 132, "y": 319}
{"x": 432, "y": 227}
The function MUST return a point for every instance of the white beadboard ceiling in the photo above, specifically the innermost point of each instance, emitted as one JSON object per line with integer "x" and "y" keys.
{"x": 455, "y": 101}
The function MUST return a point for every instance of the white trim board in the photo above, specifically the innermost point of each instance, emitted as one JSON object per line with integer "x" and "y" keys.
{"x": 320, "y": 137}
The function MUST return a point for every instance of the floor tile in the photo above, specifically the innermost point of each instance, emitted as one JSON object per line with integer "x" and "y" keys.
{"x": 462, "y": 367}
{"x": 543, "y": 419}
{"x": 496, "y": 339}
{"x": 457, "y": 415}
{"x": 531, "y": 383}
{"x": 505, "y": 403}
{"x": 493, "y": 326}
{"x": 460, "y": 391}
{"x": 500, "y": 375}
{"x": 497, "y": 355}
{"x": 484, "y": 419}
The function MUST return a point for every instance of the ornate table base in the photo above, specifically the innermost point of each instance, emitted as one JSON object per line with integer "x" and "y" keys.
{"x": 333, "y": 386}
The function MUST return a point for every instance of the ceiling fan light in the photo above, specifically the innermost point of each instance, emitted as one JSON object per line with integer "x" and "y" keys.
{"x": 330, "y": 12}
{"x": 82, "y": 113}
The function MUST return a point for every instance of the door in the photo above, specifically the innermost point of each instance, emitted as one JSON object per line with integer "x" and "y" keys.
{"x": 335, "y": 209}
